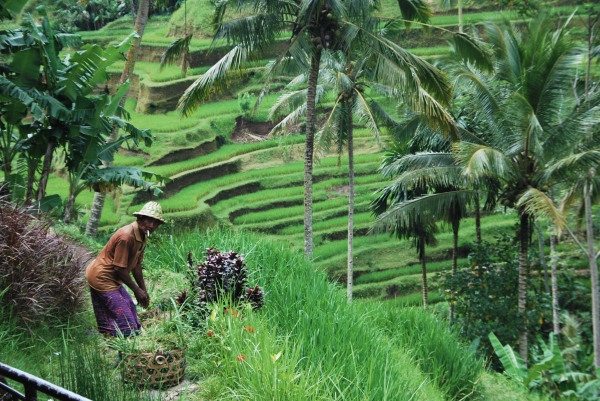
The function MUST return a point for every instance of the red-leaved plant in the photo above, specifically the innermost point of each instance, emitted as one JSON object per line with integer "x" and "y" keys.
{"x": 40, "y": 276}
{"x": 222, "y": 276}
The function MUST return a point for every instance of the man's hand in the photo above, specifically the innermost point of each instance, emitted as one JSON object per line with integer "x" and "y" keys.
{"x": 142, "y": 297}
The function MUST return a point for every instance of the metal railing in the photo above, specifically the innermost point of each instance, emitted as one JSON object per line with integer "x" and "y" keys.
{"x": 32, "y": 385}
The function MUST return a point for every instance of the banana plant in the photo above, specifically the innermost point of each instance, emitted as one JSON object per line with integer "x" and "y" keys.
{"x": 549, "y": 373}
{"x": 86, "y": 152}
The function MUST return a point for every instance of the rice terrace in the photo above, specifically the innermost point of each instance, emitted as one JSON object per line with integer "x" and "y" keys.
{"x": 299, "y": 200}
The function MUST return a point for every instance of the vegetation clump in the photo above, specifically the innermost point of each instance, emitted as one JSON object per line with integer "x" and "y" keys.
{"x": 40, "y": 276}
{"x": 220, "y": 277}
{"x": 484, "y": 296}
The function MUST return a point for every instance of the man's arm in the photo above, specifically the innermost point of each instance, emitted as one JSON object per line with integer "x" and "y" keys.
{"x": 140, "y": 292}
{"x": 139, "y": 277}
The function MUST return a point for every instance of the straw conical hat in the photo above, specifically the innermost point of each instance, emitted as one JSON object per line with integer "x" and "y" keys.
{"x": 151, "y": 209}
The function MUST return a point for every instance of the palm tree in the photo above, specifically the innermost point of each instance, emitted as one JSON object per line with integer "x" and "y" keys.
{"x": 578, "y": 168}
{"x": 349, "y": 80}
{"x": 179, "y": 48}
{"x": 396, "y": 216}
{"x": 449, "y": 4}
{"x": 527, "y": 105}
{"x": 424, "y": 163}
{"x": 141, "y": 19}
{"x": 312, "y": 26}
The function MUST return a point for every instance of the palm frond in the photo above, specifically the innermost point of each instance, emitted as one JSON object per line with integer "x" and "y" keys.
{"x": 213, "y": 80}
{"x": 398, "y": 163}
{"x": 334, "y": 128}
{"x": 485, "y": 97}
{"x": 368, "y": 115}
{"x": 176, "y": 49}
{"x": 447, "y": 4}
{"x": 295, "y": 47}
{"x": 480, "y": 161}
{"x": 537, "y": 203}
{"x": 287, "y": 102}
{"x": 573, "y": 166}
{"x": 431, "y": 177}
{"x": 432, "y": 207}
{"x": 415, "y": 10}
{"x": 472, "y": 50}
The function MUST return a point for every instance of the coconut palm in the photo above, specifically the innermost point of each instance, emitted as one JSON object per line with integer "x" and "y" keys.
{"x": 417, "y": 225}
{"x": 348, "y": 81}
{"x": 424, "y": 167}
{"x": 528, "y": 107}
{"x": 179, "y": 48}
{"x": 450, "y": 4}
{"x": 313, "y": 26}
{"x": 578, "y": 169}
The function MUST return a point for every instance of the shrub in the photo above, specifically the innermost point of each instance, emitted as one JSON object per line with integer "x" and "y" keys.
{"x": 221, "y": 277}
{"x": 485, "y": 296}
{"x": 40, "y": 276}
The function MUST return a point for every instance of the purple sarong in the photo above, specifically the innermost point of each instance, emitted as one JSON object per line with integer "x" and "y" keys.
{"x": 115, "y": 312}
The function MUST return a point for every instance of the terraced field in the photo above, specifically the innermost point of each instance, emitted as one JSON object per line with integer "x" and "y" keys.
{"x": 226, "y": 170}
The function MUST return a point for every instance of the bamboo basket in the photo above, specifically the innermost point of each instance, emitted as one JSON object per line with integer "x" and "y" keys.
{"x": 159, "y": 369}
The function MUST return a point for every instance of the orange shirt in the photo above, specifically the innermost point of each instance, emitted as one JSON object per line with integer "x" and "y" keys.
{"x": 125, "y": 249}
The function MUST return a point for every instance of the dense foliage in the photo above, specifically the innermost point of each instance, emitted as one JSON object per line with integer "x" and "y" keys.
{"x": 484, "y": 295}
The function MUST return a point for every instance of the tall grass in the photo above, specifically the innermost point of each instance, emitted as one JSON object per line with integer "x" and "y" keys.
{"x": 334, "y": 340}
{"x": 435, "y": 346}
{"x": 85, "y": 369}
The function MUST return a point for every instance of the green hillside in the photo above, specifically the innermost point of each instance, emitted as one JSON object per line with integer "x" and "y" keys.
{"x": 226, "y": 170}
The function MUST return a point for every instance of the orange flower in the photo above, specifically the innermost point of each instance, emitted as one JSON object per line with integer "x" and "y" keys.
{"x": 210, "y": 333}
{"x": 233, "y": 312}
{"x": 249, "y": 329}
{"x": 241, "y": 358}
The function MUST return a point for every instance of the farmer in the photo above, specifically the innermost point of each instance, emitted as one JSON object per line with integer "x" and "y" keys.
{"x": 123, "y": 254}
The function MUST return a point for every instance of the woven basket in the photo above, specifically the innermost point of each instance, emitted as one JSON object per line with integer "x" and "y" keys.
{"x": 160, "y": 369}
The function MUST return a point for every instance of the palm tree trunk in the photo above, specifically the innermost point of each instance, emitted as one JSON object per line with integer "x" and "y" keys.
{"x": 542, "y": 255}
{"x": 477, "y": 219}
{"x": 460, "y": 16}
{"x": 423, "y": 270}
{"x": 554, "y": 277}
{"x": 455, "y": 228}
{"x": 593, "y": 272}
{"x": 91, "y": 228}
{"x": 522, "y": 303}
{"x": 350, "y": 203}
{"x": 46, "y": 168}
{"x": 309, "y": 151}
{"x": 554, "y": 263}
